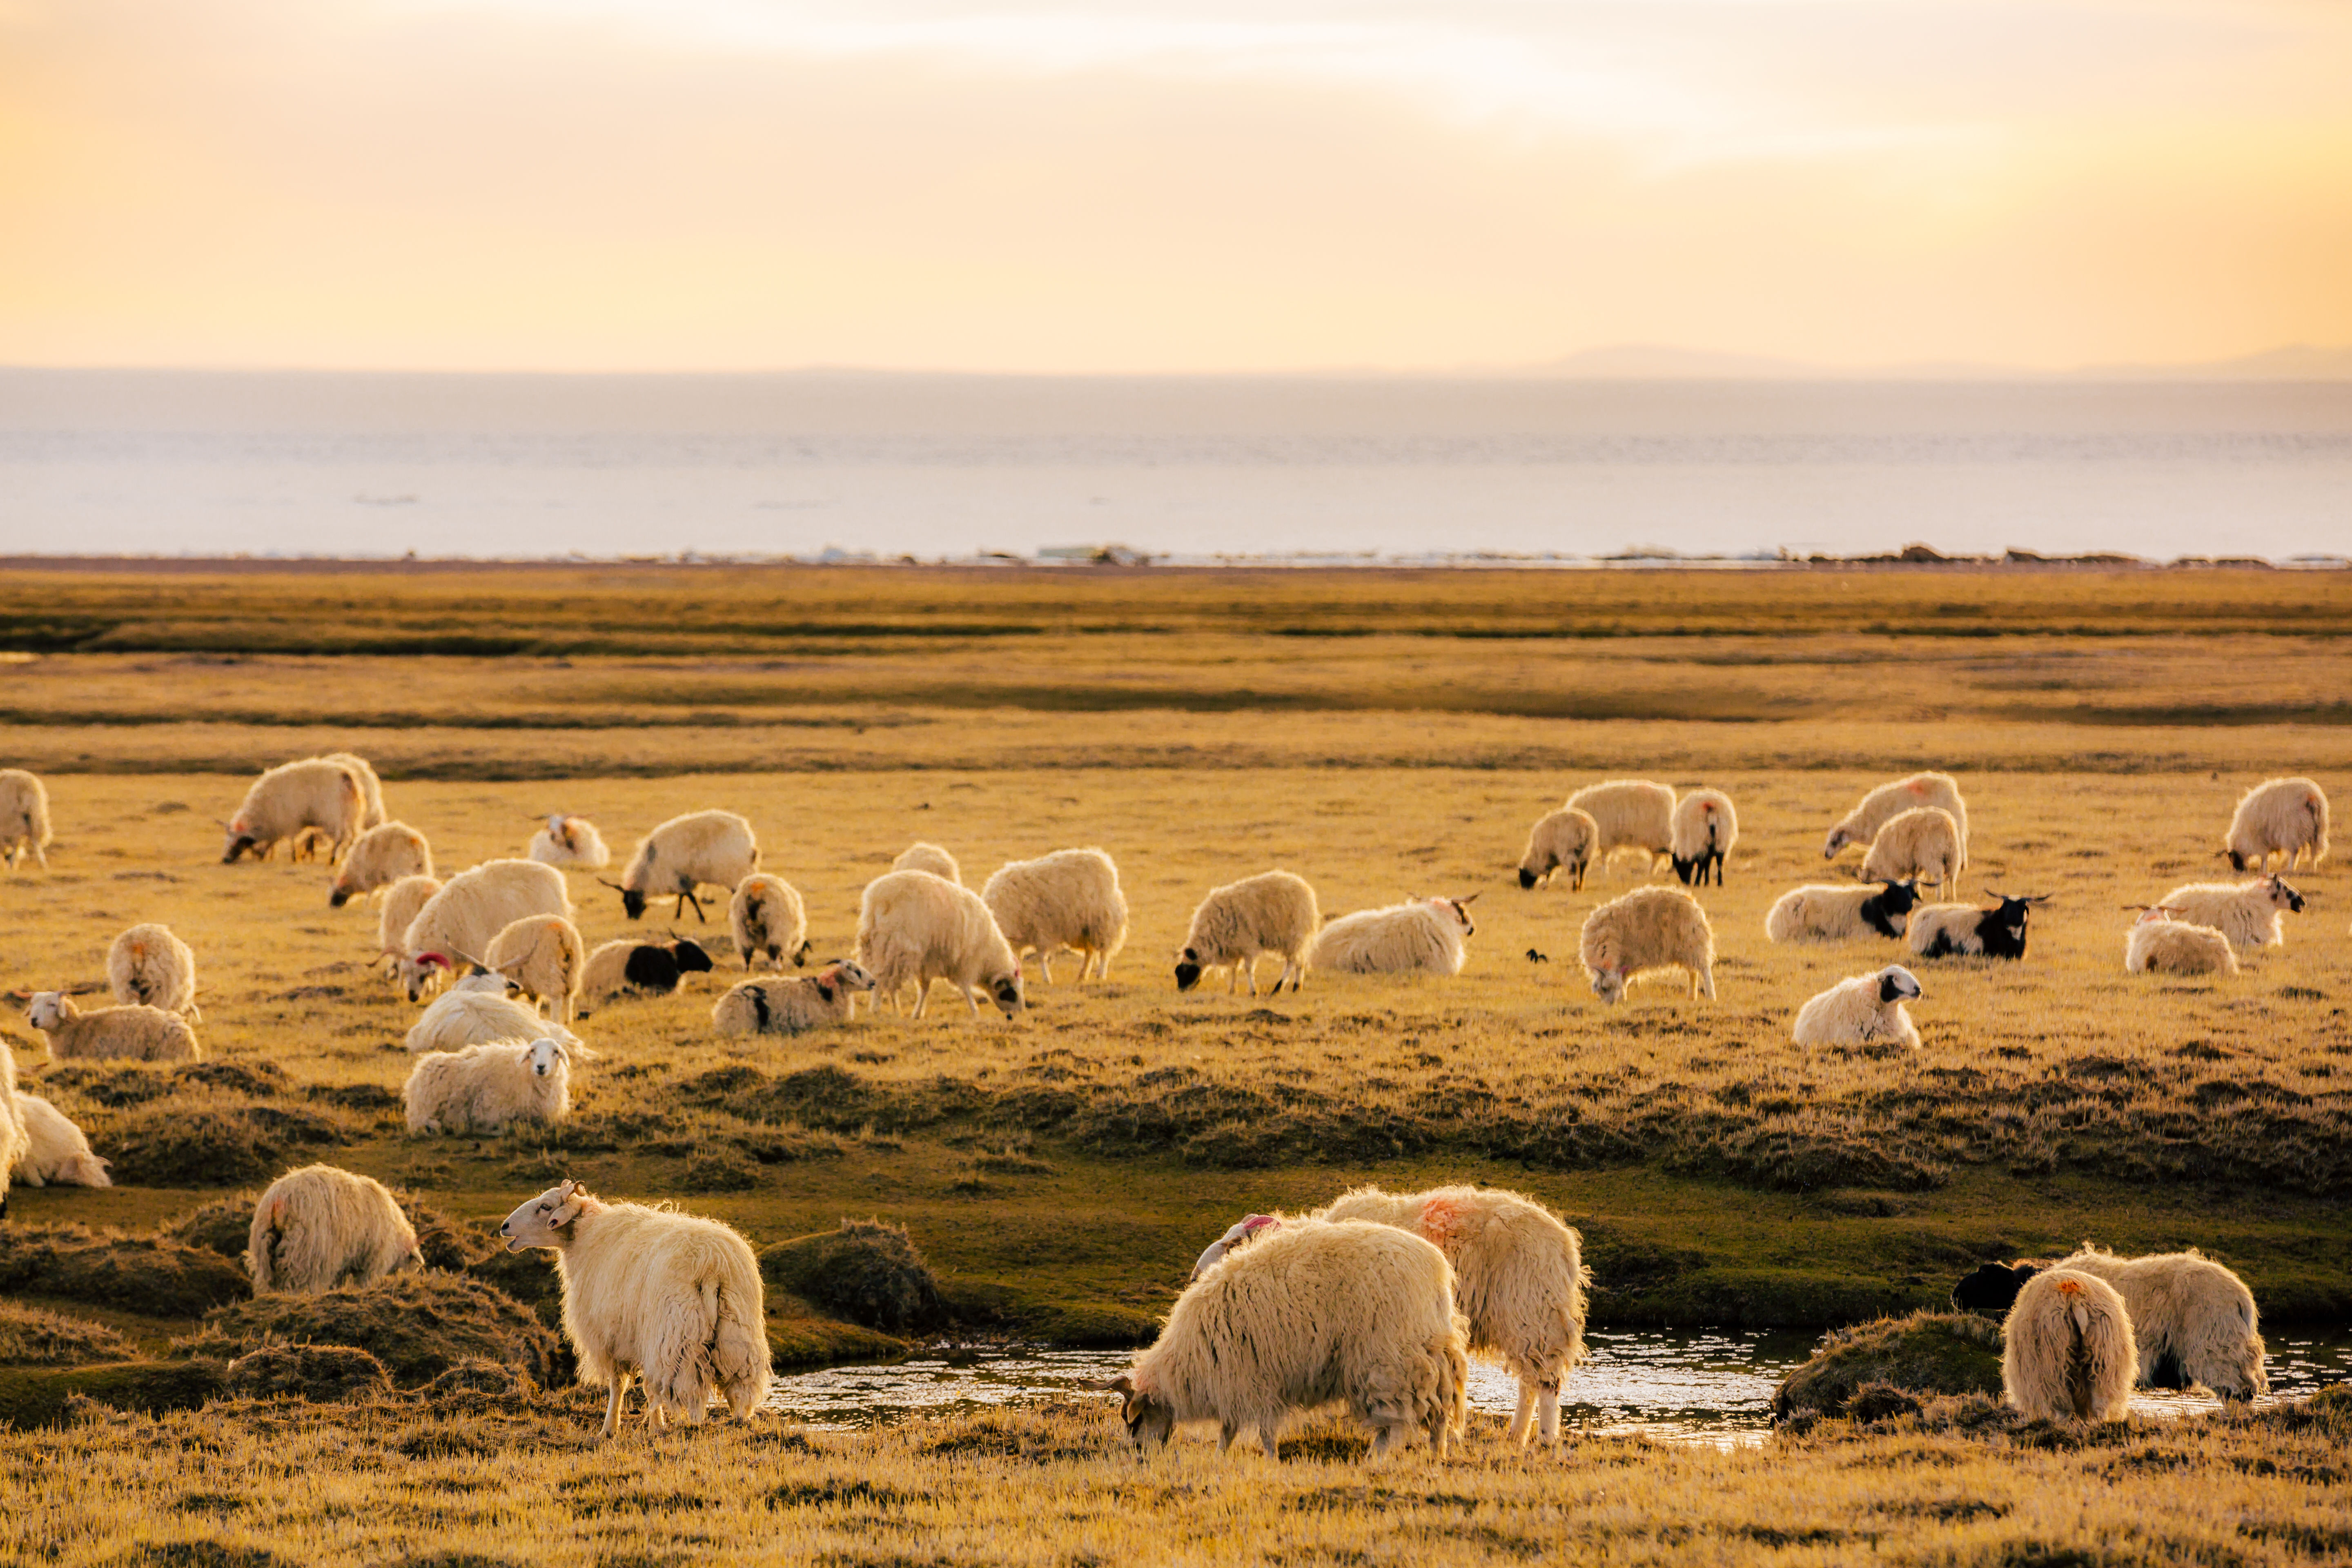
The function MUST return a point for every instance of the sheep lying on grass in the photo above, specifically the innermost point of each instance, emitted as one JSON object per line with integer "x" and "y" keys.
{"x": 137, "y": 1034}
{"x": 640, "y": 968}
{"x": 2286, "y": 817}
{"x": 55, "y": 1149}
{"x": 914, "y": 928}
{"x": 1867, "y": 1010}
{"x": 1841, "y": 912}
{"x": 149, "y": 966}
{"x": 1274, "y": 911}
{"x": 1888, "y": 800}
{"x": 2160, "y": 945}
{"x": 792, "y": 1005}
{"x": 542, "y": 956}
{"x": 1565, "y": 840}
{"x": 383, "y": 855}
{"x": 319, "y": 1228}
{"x": 567, "y": 841}
{"x": 768, "y": 921}
{"x": 1629, "y": 814}
{"x": 484, "y": 1088}
{"x": 685, "y": 855}
{"x": 24, "y": 819}
{"x": 1923, "y": 845}
{"x": 922, "y": 856}
{"x": 1946, "y": 930}
{"x": 2250, "y": 914}
{"x": 1067, "y": 900}
{"x": 2066, "y": 1350}
{"x": 292, "y": 798}
{"x": 1647, "y": 929}
{"x": 1421, "y": 936}
{"x": 1705, "y": 829}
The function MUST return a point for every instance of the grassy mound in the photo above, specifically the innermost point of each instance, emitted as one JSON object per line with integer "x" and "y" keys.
{"x": 477, "y": 1380}
{"x": 30, "y": 1337}
{"x": 418, "y": 1324}
{"x": 151, "y": 1273}
{"x": 320, "y": 1372}
{"x": 223, "y": 1226}
{"x": 865, "y": 1271}
{"x": 31, "y": 1397}
{"x": 1925, "y": 1353}
{"x": 180, "y": 1143}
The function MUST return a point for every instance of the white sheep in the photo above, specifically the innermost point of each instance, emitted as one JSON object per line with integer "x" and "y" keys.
{"x": 1563, "y": 840}
{"x": 1067, "y": 900}
{"x": 921, "y": 855}
{"x": 2286, "y": 817}
{"x": 792, "y": 1005}
{"x": 127, "y": 1034}
{"x": 319, "y": 1228}
{"x": 1274, "y": 911}
{"x": 1841, "y": 912}
{"x": 484, "y": 1088}
{"x": 647, "y": 1293}
{"x": 1965, "y": 930}
{"x": 402, "y": 901}
{"x": 768, "y": 921}
{"x": 54, "y": 1150}
{"x": 1923, "y": 845}
{"x": 16, "y": 1138}
{"x": 1865, "y": 1010}
{"x": 1309, "y": 1314}
{"x": 1706, "y": 826}
{"x": 2159, "y": 944}
{"x": 2066, "y": 1350}
{"x": 370, "y": 787}
{"x": 702, "y": 848}
{"x": 148, "y": 964}
{"x": 2250, "y": 914}
{"x": 914, "y": 928}
{"x": 474, "y": 1011}
{"x": 1888, "y": 800}
{"x": 2192, "y": 1320}
{"x": 639, "y": 968}
{"x": 1630, "y": 813}
{"x": 383, "y": 855}
{"x": 542, "y": 956}
{"x": 1421, "y": 936}
{"x": 293, "y": 797}
{"x": 24, "y": 819}
{"x": 1648, "y": 928}
{"x": 567, "y": 841}
{"x": 458, "y": 923}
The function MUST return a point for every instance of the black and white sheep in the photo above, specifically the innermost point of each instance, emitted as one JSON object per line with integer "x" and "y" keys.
{"x": 1867, "y": 1010}
{"x": 792, "y": 1005}
{"x": 1965, "y": 930}
{"x": 640, "y": 968}
{"x": 1706, "y": 827}
{"x": 1420, "y": 936}
{"x": 1841, "y": 912}
{"x": 2250, "y": 914}
{"x": 768, "y": 921}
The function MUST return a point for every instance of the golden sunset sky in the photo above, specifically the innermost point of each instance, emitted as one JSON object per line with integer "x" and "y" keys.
{"x": 1168, "y": 185}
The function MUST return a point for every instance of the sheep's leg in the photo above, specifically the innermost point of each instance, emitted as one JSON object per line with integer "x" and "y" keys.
{"x": 1382, "y": 1441}
{"x": 1523, "y": 1418}
{"x": 1269, "y": 1441}
{"x": 688, "y": 898}
{"x": 1548, "y": 1415}
{"x": 612, "y": 1404}
{"x": 971, "y": 999}
{"x": 1705, "y": 985}
{"x": 1226, "y": 1434}
{"x": 922, "y": 998}
{"x": 1252, "y": 975}
{"x": 1045, "y": 964}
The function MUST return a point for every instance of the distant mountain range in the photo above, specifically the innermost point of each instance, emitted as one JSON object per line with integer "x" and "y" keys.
{"x": 1646, "y": 362}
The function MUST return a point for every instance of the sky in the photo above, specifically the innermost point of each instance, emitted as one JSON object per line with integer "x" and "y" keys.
{"x": 1168, "y": 185}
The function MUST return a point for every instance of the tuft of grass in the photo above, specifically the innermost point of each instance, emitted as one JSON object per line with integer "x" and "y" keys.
{"x": 863, "y": 1270}
{"x": 327, "y": 1373}
{"x": 151, "y": 1274}
{"x": 32, "y": 1337}
{"x": 1871, "y": 1370}
{"x": 417, "y": 1325}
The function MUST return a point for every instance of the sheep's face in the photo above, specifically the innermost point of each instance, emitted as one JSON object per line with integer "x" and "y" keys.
{"x": 1528, "y": 876}
{"x": 691, "y": 958}
{"x": 545, "y": 1057}
{"x": 850, "y": 976}
{"x": 543, "y": 1222}
{"x": 1188, "y": 970}
{"x": 2247, "y": 1380}
{"x": 2284, "y": 897}
{"x": 236, "y": 844}
{"x": 1608, "y": 984}
{"x": 1458, "y": 911}
{"x": 1150, "y": 1420}
{"x": 633, "y": 904}
{"x": 1993, "y": 1287}
{"x": 1005, "y": 991}
{"x": 1899, "y": 898}
{"x": 1838, "y": 839}
{"x": 1897, "y": 983}
{"x": 338, "y": 895}
{"x": 45, "y": 1010}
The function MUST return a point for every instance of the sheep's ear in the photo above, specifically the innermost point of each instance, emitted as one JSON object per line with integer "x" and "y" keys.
{"x": 1467, "y": 899}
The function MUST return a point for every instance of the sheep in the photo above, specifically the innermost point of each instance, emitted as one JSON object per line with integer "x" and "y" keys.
{"x": 402, "y": 901}
{"x": 383, "y": 855}
{"x": 2250, "y": 914}
{"x": 1645, "y": 930}
{"x": 647, "y": 1293}
{"x": 16, "y": 1137}
{"x": 1888, "y": 800}
{"x": 1945, "y": 931}
{"x": 474, "y": 1011}
{"x": 923, "y": 857}
{"x": 1274, "y": 911}
{"x": 1826, "y": 913}
{"x": 1705, "y": 828}
{"x": 1564, "y": 841}
{"x": 1867, "y": 1010}
{"x": 460, "y": 920}
{"x": 135, "y": 1033}
{"x": 291, "y": 796}
{"x": 484, "y": 1088}
{"x": 2286, "y": 817}
{"x": 792, "y": 1005}
{"x": 319, "y": 1228}
{"x": 1067, "y": 900}
{"x": 684, "y": 854}
{"x": 567, "y": 841}
{"x": 149, "y": 964}
{"x": 370, "y": 787}
{"x": 914, "y": 928}
{"x": 769, "y": 921}
{"x": 1421, "y": 936}
{"x": 639, "y": 968}
{"x": 1309, "y": 1313}
{"x": 54, "y": 1149}
{"x": 541, "y": 957}
{"x": 2193, "y": 1321}
{"x": 24, "y": 819}
{"x": 2066, "y": 1350}
{"x": 2160, "y": 945}
{"x": 1630, "y": 813}
{"x": 1924, "y": 846}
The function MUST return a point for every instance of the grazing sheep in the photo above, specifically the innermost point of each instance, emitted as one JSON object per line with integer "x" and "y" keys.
{"x": 292, "y": 796}
{"x": 1629, "y": 814}
{"x": 148, "y": 964}
{"x": 769, "y": 921}
{"x": 702, "y": 848}
{"x": 640, "y": 968}
{"x": 2066, "y": 1350}
{"x": 1867, "y": 1010}
{"x": 2286, "y": 817}
{"x": 402, "y": 901}
{"x": 1307, "y": 1314}
{"x": 1945, "y": 931}
{"x": 54, "y": 1147}
{"x": 16, "y": 1138}
{"x": 1706, "y": 827}
{"x": 1423, "y": 936}
{"x": 370, "y": 787}
{"x": 385, "y": 854}
{"x": 2250, "y": 914}
{"x": 2160, "y": 945}
{"x": 914, "y": 928}
{"x": 483, "y": 1088}
{"x": 1889, "y": 801}
{"x": 2193, "y": 1321}
{"x": 792, "y": 1005}
{"x": 1564, "y": 841}
{"x": 459, "y": 922}
{"x": 1647, "y": 928}
{"x": 1841, "y": 913}
{"x": 474, "y": 1011}
{"x": 1923, "y": 845}
{"x": 1274, "y": 911}
{"x": 541, "y": 957}
{"x": 1070, "y": 899}
{"x": 923, "y": 857}
{"x": 567, "y": 841}
{"x": 651, "y": 1293}
{"x": 137, "y": 1033}
{"x": 319, "y": 1228}
{"x": 24, "y": 819}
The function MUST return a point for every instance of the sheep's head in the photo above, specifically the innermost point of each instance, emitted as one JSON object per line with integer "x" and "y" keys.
{"x": 47, "y": 1009}
{"x": 545, "y": 1220}
{"x": 1900, "y": 898}
{"x": 416, "y": 971}
{"x": 1993, "y": 1287}
{"x": 238, "y": 841}
{"x": 1608, "y": 984}
{"x": 1188, "y": 969}
{"x": 691, "y": 958}
{"x": 1455, "y": 910}
{"x": 2247, "y": 1380}
{"x": 1528, "y": 876}
{"x": 848, "y": 975}
{"x": 1840, "y": 837}
{"x": 545, "y": 1057}
{"x": 633, "y": 899}
{"x": 1005, "y": 991}
{"x": 1897, "y": 983}
{"x": 1150, "y": 1420}
{"x": 1242, "y": 1230}
{"x": 340, "y": 893}
{"x": 2285, "y": 897}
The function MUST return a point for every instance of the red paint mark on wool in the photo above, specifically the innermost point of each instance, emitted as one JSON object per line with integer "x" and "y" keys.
{"x": 1441, "y": 1223}
{"x": 2069, "y": 1287}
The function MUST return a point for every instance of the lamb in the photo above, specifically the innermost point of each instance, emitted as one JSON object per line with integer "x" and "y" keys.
{"x": 1309, "y": 1313}
{"x": 1867, "y": 1010}
{"x": 1421, "y": 936}
{"x": 1647, "y": 928}
{"x": 2193, "y": 1321}
{"x": 383, "y": 855}
{"x": 54, "y": 1149}
{"x": 1564, "y": 841}
{"x": 567, "y": 841}
{"x": 24, "y": 819}
{"x": 1274, "y": 911}
{"x": 1923, "y": 845}
{"x": 475, "y": 1011}
{"x": 2067, "y": 1350}
{"x": 1067, "y": 900}
{"x": 461, "y": 920}
{"x": 793, "y": 1004}
{"x": 135, "y": 1033}
{"x": 1889, "y": 801}
{"x": 1630, "y": 813}
{"x": 484, "y": 1088}
{"x": 923, "y": 857}
{"x": 2250, "y": 914}
{"x": 1705, "y": 828}
{"x": 319, "y": 1228}
{"x": 686, "y": 852}
{"x": 402, "y": 901}
{"x": 1945, "y": 931}
{"x": 2160, "y": 945}
{"x": 16, "y": 1138}
{"x": 370, "y": 787}
{"x": 149, "y": 964}
{"x": 640, "y": 968}
{"x": 292, "y": 796}
{"x": 541, "y": 957}
{"x": 769, "y": 921}
{"x": 1841, "y": 913}
{"x": 2286, "y": 817}
{"x": 647, "y": 1293}
{"x": 914, "y": 928}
